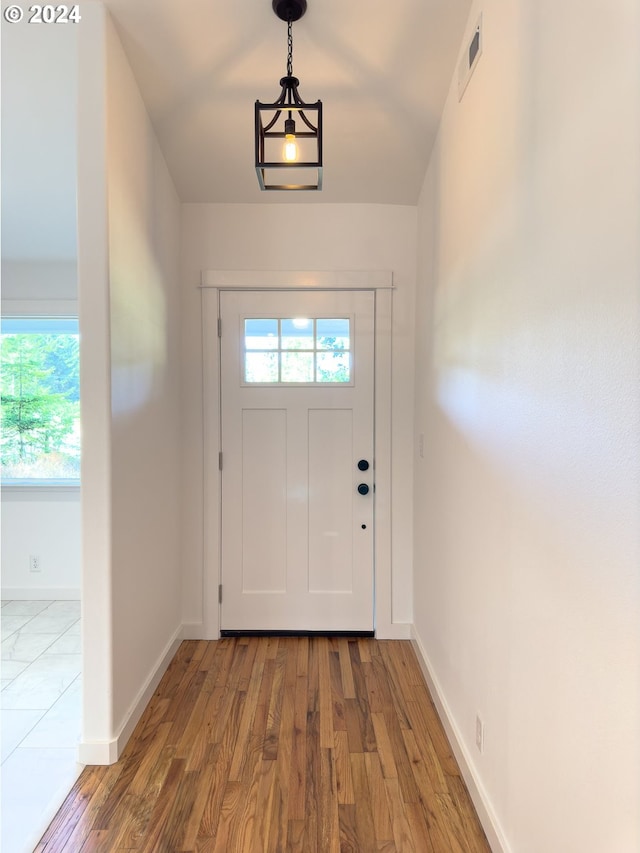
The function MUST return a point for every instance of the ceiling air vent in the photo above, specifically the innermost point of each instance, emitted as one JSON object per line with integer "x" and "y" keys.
{"x": 470, "y": 58}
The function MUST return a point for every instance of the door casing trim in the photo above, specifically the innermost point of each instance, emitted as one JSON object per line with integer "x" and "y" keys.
{"x": 214, "y": 281}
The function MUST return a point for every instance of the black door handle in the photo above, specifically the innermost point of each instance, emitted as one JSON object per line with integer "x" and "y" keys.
{"x": 363, "y": 465}
{"x": 363, "y": 489}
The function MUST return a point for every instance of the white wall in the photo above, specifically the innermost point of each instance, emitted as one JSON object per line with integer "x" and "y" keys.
{"x": 129, "y": 286}
{"x": 39, "y": 72}
{"x": 43, "y": 522}
{"x": 35, "y": 280}
{"x": 527, "y": 593}
{"x": 303, "y": 237}
{"x": 39, "y": 107}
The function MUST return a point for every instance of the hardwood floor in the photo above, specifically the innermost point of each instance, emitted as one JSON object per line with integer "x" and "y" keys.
{"x": 312, "y": 745}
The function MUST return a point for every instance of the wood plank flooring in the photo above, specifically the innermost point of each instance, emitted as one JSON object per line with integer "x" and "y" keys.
{"x": 276, "y": 744}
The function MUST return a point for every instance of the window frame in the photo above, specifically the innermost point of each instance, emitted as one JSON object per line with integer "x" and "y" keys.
{"x": 279, "y": 350}
{"x": 58, "y": 310}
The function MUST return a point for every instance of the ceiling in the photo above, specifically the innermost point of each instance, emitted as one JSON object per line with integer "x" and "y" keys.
{"x": 381, "y": 69}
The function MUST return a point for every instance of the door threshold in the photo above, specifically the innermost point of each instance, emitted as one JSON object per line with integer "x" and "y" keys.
{"x": 228, "y": 633}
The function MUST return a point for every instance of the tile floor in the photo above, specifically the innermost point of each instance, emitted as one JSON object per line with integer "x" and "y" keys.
{"x": 40, "y": 713}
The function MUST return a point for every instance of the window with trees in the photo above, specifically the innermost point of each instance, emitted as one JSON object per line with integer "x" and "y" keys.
{"x": 40, "y": 386}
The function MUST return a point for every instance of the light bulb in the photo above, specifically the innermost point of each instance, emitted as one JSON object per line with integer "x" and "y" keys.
{"x": 290, "y": 150}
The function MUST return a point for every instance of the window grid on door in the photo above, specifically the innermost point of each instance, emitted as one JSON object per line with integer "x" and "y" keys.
{"x": 297, "y": 351}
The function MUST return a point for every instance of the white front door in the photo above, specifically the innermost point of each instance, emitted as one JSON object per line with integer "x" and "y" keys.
{"x": 297, "y": 449}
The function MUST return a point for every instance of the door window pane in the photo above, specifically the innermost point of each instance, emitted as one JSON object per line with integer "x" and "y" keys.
{"x": 333, "y": 367}
{"x": 303, "y": 350}
{"x": 297, "y": 333}
{"x": 261, "y": 334}
{"x": 261, "y": 367}
{"x": 297, "y": 367}
{"x": 332, "y": 334}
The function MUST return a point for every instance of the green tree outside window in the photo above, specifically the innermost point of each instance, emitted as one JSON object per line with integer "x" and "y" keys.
{"x": 40, "y": 406}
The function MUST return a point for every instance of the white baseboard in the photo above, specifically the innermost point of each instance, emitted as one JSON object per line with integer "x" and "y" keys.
{"x": 48, "y": 593}
{"x": 394, "y": 631}
{"x": 98, "y": 751}
{"x": 193, "y": 631}
{"x": 108, "y": 752}
{"x": 479, "y": 796}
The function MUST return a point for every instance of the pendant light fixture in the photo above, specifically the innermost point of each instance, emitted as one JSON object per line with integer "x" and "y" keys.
{"x": 288, "y": 131}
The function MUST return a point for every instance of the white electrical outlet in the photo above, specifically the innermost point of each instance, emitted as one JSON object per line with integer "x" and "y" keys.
{"x": 34, "y": 563}
{"x": 479, "y": 733}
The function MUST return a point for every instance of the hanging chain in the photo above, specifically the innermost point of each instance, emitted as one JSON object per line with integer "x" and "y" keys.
{"x": 290, "y": 46}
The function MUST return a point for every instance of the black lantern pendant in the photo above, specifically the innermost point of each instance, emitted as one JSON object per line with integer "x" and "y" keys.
{"x": 289, "y": 132}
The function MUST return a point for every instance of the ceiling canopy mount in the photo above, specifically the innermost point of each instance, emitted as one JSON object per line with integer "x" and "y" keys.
{"x": 289, "y": 10}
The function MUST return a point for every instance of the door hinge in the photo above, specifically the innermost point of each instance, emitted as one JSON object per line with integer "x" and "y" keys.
{"x": 219, "y": 327}
{"x": 220, "y": 594}
{"x": 220, "y": 461}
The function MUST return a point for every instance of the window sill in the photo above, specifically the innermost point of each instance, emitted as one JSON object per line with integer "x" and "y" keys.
{"x": 41, "y": 490}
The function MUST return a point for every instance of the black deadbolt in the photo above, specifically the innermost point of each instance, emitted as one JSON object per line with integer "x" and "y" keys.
{"x": 363, "y": 465}
{"x": 363, "y": 489}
